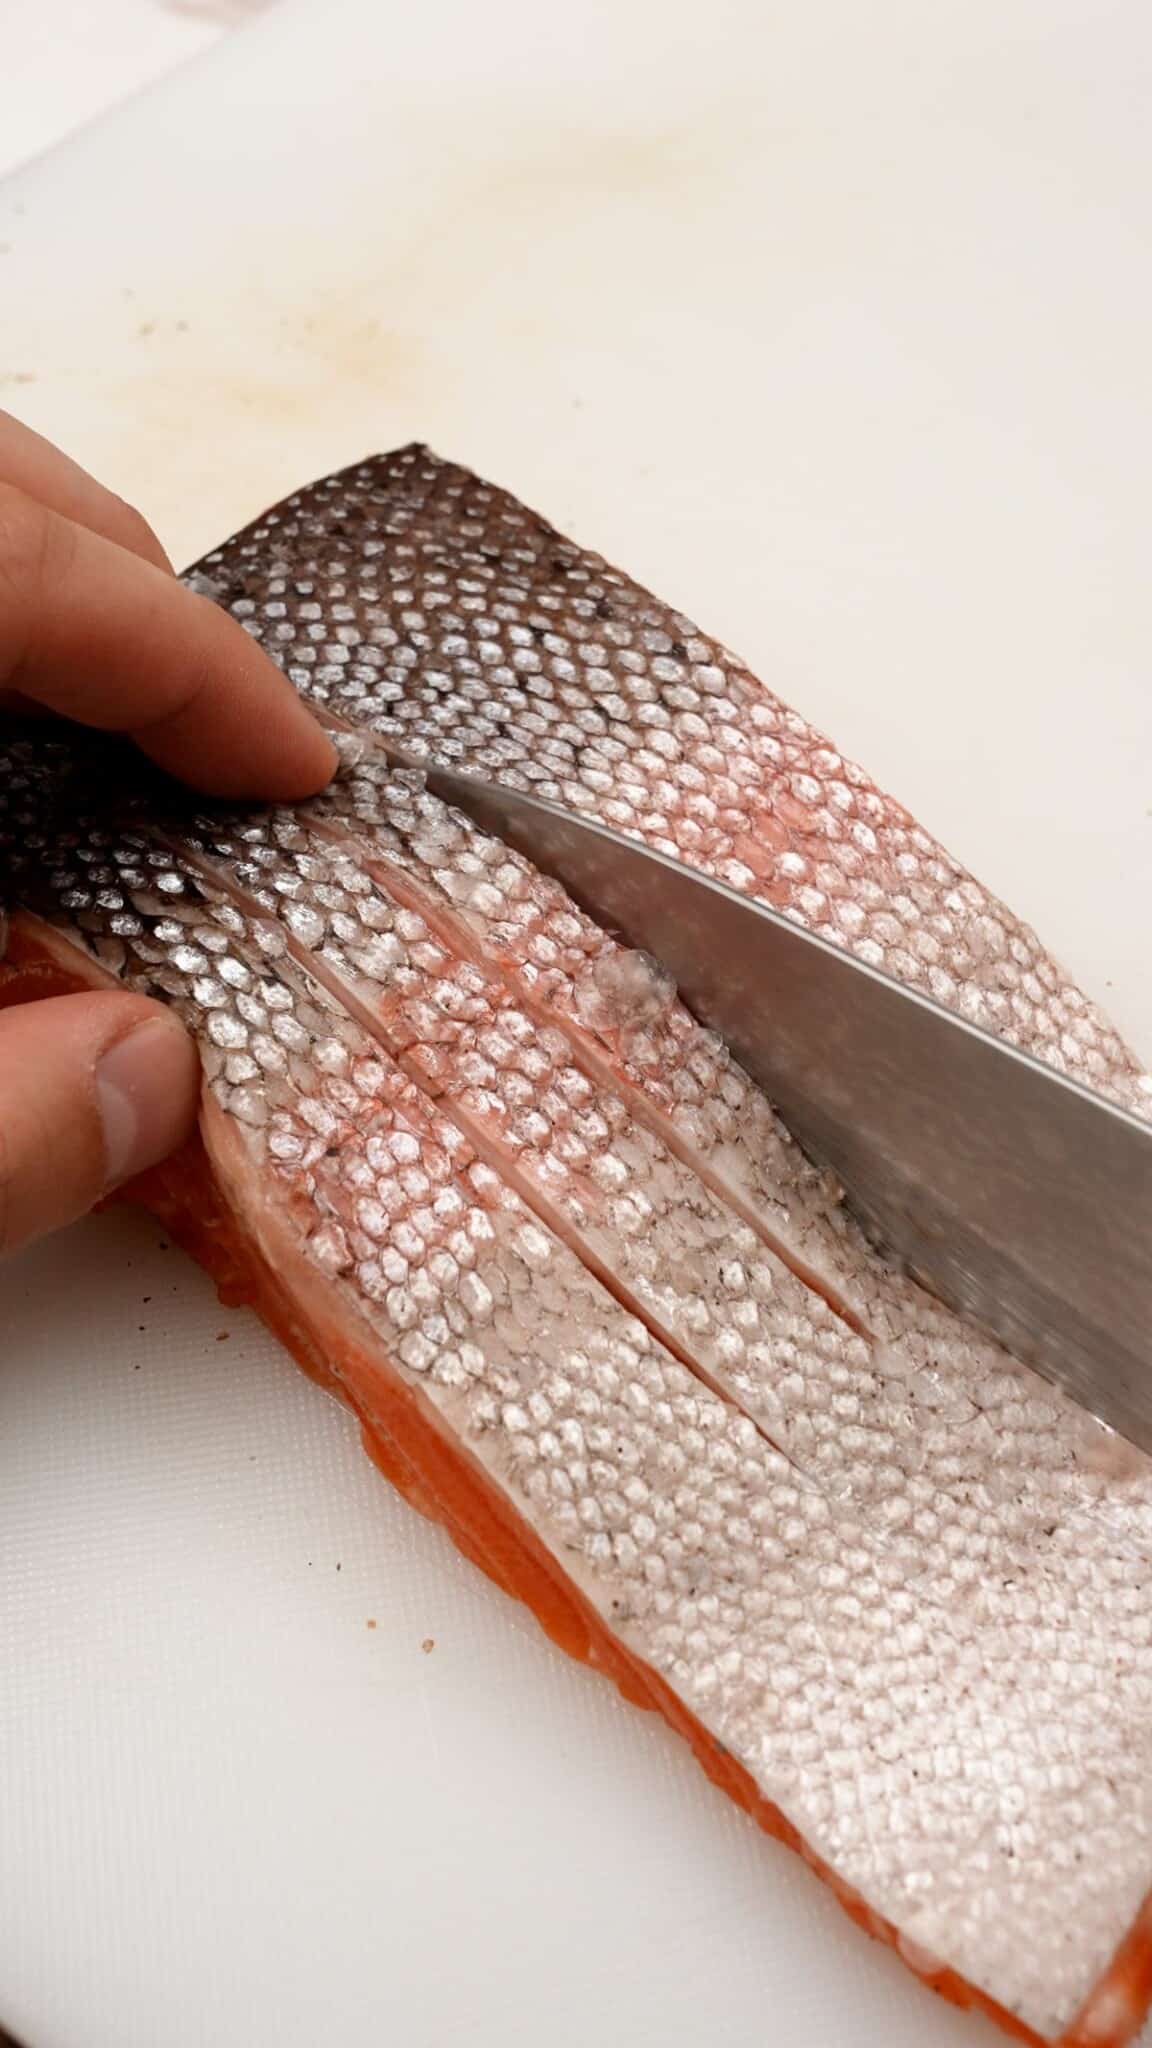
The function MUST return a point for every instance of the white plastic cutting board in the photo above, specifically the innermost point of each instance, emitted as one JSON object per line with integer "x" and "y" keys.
{"x": 65, "y": 61}
{"x": 834, "y": 324}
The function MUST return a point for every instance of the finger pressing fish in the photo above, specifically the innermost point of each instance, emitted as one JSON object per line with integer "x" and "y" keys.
{"x": 595, "y": 1308}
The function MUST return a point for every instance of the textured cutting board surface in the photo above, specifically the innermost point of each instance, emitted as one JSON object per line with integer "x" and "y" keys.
{"x": 833, "y": 325}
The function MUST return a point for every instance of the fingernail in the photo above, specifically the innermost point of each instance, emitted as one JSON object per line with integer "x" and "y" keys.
{"x": 146, "y": 1087}
{"x": 329, "y": 739}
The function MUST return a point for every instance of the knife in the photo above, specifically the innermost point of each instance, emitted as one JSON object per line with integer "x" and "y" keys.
{"x": 1015, "y": 1195}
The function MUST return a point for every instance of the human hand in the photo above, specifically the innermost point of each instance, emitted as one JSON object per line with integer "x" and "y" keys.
{"x": 94, "y": 627}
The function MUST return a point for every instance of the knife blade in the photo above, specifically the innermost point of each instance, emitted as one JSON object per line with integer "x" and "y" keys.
{"x": 1018, "y": 1197}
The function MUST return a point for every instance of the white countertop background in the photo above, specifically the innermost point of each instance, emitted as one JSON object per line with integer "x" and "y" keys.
{"x": 834, "y": 325}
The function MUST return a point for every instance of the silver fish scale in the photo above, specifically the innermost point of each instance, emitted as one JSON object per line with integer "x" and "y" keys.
{"x": 890, "y": 1571}
{"x": 412, "y": 599}
{"x": 934, "y": 1371}
{"x": 522, "y": 921}
{"x": 859, "y": 1417}
{"x": 592, "y": 1171}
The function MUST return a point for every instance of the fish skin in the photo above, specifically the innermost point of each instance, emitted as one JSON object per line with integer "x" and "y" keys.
{"x": 896, "y": 1585}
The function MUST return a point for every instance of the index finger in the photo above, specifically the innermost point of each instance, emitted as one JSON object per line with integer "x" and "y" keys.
{"x": 43, "y": 471}
{"x": 101, "y": 636}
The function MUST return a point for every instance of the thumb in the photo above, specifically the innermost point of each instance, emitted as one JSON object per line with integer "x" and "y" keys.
{"x": 93, "y": 1088}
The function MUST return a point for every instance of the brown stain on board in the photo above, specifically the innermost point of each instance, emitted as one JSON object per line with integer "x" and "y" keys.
{"x": 261, "y": 347}
{"x": 298, "y": 375}
{"x": 291, "y": 383}
{"x": 335, "y": 334}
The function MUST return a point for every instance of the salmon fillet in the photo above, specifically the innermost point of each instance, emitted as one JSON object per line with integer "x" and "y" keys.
{"x": 596, "y": 1312}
